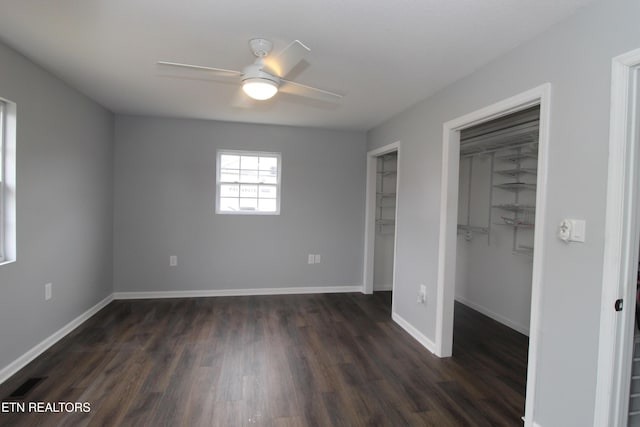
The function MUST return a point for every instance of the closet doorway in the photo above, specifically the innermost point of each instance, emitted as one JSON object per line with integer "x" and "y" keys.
{"x": 380, "y": 219}
{"x": 494, "y": 250}
{"x": 496, "y": 217}
{"x": 538, "y": 97}
{"x": 384, "y": 245}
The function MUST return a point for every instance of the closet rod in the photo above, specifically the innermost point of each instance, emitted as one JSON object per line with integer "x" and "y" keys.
{"x": 504, "y": 122}
{"x": 525, "y": 132}
{"x": 496, "y": 149}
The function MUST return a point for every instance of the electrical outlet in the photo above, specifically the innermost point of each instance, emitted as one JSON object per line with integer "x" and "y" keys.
{"x": 47, "y": 291}
{"x": 318, "y": 258}
{"x": 311, "y": 259}
{"x": 173, "y": 260}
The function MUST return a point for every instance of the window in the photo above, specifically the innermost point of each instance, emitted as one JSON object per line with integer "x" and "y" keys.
{"x": 2, "y": 181}
{"x": 248, "y": 182}
{"x": 7, "y": 182}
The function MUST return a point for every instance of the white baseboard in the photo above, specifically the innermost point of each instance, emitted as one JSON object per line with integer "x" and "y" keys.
{"x": 237, "y": 292}
{"x": 534, "y": 424}
{"x": 495, "y": 316}
{"x": 40, "y": 348}
{"x": 422, "y": 339}
{"x": 388, "y": 287}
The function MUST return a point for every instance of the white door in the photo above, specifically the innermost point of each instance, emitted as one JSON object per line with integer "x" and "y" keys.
{"x": 622, "y": 232}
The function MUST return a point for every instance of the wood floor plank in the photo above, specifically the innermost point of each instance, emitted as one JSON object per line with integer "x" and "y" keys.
{"x": 288, "y": 360}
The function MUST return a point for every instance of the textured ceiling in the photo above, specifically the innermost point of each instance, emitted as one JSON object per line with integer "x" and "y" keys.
{"x": 383, "y": 55}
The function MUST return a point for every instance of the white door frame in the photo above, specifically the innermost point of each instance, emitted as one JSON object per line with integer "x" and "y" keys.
{"x": 620, "y": 262}
{"x": 449, "y": 215}
{"x": 370, "y": 217}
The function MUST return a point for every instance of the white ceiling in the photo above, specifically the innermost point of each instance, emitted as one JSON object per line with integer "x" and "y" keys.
{"x": 384, "y": 55}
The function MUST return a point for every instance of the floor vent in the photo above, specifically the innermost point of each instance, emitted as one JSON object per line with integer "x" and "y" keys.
{"x": 26, "y": 387}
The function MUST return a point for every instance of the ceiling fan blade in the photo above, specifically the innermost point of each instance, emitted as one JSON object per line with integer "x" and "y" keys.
{"x": 293, "y": 88}
{"x": 202, "y": 68}
{"x": 282, "y": 63}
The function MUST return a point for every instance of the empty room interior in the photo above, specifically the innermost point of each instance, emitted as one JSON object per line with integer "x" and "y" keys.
{"x": 319, "y": 213}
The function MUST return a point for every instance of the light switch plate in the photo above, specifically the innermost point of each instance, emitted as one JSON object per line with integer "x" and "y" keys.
{"x": 311, "y": 259}
{"x": 572, "y": 230}
{"x": 318, "y": 258}
{"x": 578, "y": 230}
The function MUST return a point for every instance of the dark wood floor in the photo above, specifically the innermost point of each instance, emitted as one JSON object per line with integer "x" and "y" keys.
{"x": 297, "y": 360}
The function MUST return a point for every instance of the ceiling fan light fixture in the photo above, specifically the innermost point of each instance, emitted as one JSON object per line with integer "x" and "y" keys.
{"x": 264, "y": 78}
{"x": 259, "y": 88}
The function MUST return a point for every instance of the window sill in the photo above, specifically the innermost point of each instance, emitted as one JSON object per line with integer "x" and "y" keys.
{"x": 246, "y": 213}
{"x": 8, "y": 261}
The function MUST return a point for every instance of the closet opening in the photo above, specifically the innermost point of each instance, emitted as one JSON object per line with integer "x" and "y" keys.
{"x": 383, "y": 171}
{"x": 449, "y": 240}
{"x": 385, "y": 220}
{"x": 498, "y": 169}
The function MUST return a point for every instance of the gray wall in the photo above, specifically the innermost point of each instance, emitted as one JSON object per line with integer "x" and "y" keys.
{"x": 165, "y": 189}
{"x": 64, "y": 206}
{"x": 575, "y": 56}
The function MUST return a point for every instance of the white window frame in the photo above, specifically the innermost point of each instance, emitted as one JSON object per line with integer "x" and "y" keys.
{"x": 221, "y": 152}
{"x": 3, "y": 181}
{"x": 8, "y": 252}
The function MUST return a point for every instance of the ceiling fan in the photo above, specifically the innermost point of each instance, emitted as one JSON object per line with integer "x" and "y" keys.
{"x": 265, "y": 77}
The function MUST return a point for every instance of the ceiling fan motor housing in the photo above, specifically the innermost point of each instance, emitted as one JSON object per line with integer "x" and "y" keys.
{"x": 256, "y": 71}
